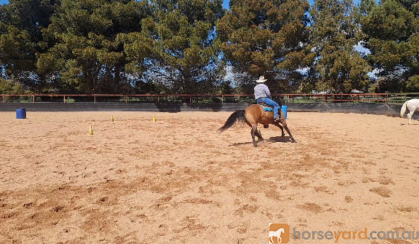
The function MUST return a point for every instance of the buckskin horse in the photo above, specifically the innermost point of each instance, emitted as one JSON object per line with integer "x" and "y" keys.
{"x": 253, "y": 115}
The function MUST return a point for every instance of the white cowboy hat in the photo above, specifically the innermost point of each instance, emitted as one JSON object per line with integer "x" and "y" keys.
{"x": 261, "y": 79}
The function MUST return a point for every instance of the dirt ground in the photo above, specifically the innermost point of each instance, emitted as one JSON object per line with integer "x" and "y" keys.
{"x": 177, "y": 180}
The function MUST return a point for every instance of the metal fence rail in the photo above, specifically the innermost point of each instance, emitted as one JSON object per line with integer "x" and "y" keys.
{"x": 400, "y": 98}
{"x": 391, "y": 98}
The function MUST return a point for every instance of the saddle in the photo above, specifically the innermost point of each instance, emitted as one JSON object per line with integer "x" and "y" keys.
{"x": 266, "y": 107}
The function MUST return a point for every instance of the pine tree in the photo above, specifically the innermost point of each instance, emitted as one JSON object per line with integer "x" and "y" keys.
{"x": 184, "y": 58}
{"x": 333, "y": 35}
{"x": 89, "y": 53}
{"x": 391, "y": 33}
{"x": 266, "y": 38}
{"x": 22, "y": 23}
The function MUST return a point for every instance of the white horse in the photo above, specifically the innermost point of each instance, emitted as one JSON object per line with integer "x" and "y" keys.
{"x": 276, "y": 234}
{"x": 412, "y": 105}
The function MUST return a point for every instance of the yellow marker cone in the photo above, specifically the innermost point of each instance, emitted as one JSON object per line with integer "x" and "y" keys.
{"x": 154, "y": 118}
{"x": 112, "y": 119}
{"x": 91, "y": 130}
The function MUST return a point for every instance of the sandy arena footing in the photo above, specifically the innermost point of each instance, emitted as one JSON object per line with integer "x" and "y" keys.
{"x": 177, "y": 180}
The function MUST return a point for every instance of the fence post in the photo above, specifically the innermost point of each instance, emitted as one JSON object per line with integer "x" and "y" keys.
{"x": 33, "y": 98}
{"x": 222, "y": 98}
{"x": 126, "y": 99}
{"x": 64, "y": 99}
{"x": 158, "y": 99}
{"x": 4, "y": 99}
{"x": 190, "y": 99}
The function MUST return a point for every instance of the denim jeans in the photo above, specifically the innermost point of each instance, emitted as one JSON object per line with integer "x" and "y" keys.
{"x": 272, "y": 103}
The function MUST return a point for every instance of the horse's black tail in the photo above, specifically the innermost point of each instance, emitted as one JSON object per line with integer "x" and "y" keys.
{"x": 234, "y": 117}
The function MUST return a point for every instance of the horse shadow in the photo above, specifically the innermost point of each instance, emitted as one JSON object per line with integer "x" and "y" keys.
{"x": 283, "y": 139}
{"x": 275, "y": 139}
{"x": 240, "y": 144}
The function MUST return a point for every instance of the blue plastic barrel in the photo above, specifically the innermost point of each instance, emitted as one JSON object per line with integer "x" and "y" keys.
{"x": 284, "y": 110}
{"x": 20, "y": 113}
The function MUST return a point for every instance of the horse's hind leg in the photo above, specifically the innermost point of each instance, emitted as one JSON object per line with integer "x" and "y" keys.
{"x": 259, "y": 135}
{"x": 253, "y": 133}
{"x": 256, "y": 132}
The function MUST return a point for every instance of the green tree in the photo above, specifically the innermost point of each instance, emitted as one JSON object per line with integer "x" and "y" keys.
{"x": 22, "y": 23}
{"x": 11, "y": 87}
{"x": 89, "y": 54}
{"x": 17, "y": 51}
{"x": 333, "y": 35}
{"x": 266, "y": 38}
{"x": 183, "y": 58}
{"x": 391, "y": 33}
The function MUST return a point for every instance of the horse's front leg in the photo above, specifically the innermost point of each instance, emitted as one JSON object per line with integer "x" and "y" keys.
{"x": 284, "y": 124}
{"x": 289, "y": 133}
{"x": 282, "y": 129}
{"x": 280, "y": 126}
{"x": 409, "y": 116}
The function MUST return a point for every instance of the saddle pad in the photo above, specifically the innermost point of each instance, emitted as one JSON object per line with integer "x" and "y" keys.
{"x": 267, "y": 109}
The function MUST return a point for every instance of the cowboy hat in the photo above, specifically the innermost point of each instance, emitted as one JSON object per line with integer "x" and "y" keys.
{"x": 261, "y": 79}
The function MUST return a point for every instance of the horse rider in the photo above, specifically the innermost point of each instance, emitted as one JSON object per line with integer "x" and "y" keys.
{"x": 262, "y": 94}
